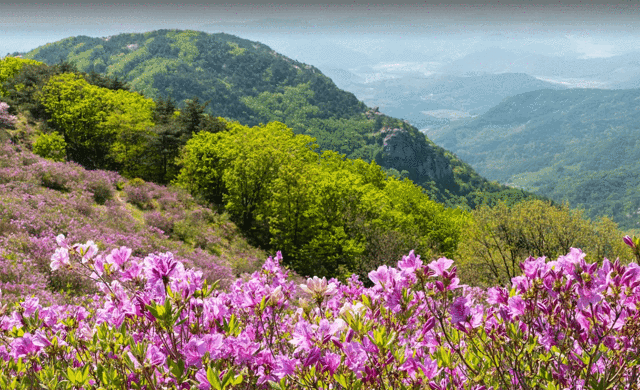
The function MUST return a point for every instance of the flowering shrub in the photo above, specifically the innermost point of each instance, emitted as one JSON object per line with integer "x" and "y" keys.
{"x": 138, "y": 194}
{"x": 565, "y": 324}
{"x": 5, "y": 118}
{"x": 31, "y": 215}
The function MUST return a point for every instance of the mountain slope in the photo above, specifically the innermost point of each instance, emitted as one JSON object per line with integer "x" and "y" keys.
{"x": 579, "y": 145}
{"x": 248, "y": 82}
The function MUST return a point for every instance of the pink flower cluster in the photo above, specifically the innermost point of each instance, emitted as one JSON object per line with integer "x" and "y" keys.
{"x": 564, "y": 324}
{"x": 5, "y": 118}
{"x": 40, "y": 199}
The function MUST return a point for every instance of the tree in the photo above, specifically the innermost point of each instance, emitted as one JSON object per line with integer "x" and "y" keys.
{"x": 501, "y": 237}
{"x": 322, "y": 211}
{"x": 10, "y": 67}
{"x": 165, "y": 110}
{"x": 104, "y": 81}
{"x": 192, "y": 115}
{"x": 102, "y": 128}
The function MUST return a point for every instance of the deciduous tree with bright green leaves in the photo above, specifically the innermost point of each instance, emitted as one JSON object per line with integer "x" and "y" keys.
{"x": 102, "y": 128}
{"x": 322, "y": 211}
{"x": 10, "y": 67}
{"x": 503, "y": 236}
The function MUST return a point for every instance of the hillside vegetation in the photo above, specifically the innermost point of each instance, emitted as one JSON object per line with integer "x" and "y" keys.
{"x": 40, "y": 199}
{"x": 329, "y": 214}
{"x": 246, "y": 81}
{"x": 578, "y": 145}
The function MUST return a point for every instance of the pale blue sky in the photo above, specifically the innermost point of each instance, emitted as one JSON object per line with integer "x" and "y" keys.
{"x": 546, "y": 28}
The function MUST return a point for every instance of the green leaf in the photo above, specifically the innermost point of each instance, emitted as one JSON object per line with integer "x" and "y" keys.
{"x": 213, "y": 378}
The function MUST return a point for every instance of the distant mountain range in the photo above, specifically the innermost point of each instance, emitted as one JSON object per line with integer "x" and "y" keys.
{"x": 602, "y": 72}
{"x": 579, "y": 145}
{"x": 248, "y": 82}
{"x": 425, "y": 100}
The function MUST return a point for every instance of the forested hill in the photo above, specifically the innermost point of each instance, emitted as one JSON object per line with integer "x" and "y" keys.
{"x": 221, "y": 68}
{"x": 579, "y": 145}
{"x": 248, "y": 82}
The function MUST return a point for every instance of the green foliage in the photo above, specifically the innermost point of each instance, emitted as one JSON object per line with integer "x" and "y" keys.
{"x": 328, "y": 214}
{"x": 248, "y": 82}
{"x": 102, "y": 128}
{"x": 501, "y": 237}
{"x": 291, "y": 106}
{"x": 564, "y": 145}
{"x": 51, "y": 146}
{"x": 10, "y": 67}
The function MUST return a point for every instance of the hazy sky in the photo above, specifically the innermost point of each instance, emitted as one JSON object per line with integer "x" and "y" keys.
{"x": 582, "y": 28}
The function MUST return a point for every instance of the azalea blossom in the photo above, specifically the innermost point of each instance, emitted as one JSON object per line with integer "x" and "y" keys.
{"x": 319, "y": 287}
{"x": 60, "y": 258}
{"x": 440, "y": 265}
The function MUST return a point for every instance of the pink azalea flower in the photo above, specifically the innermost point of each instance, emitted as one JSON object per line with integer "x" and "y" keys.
{"x": 60, "y": 258}
{"x": 285, "y": 366}
{"x": 201, "y": 377}
{"x": 160, "y": 267}
{"x": 440, "y": 265}
{"x": 119, "y": 257}
{"x": 410, "y": 263}
{"x": 460, "y": 310}
{"x": 516, "y": 306}
{"x": 28, "y": 344}
{"x": 133, "y": 271}
{"x": 30, "y": 305}
{"x": 154, "y": 357}
{"x": 497, "y": 295}
{"x": 629, "y": 241}
{"x": 331, "y": 361}
{"x": 317, "y": 286}
{"x": 384, "y": 276}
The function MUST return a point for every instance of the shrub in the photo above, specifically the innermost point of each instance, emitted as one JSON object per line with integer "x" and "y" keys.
{"x": 51, "y": 146}
{"x": 159, "y": 221}
{"x": 101, "y": 189}
{"x": 54, "y": 180}
{"x": 6, "y": 120}
{"x": 138, "y": 194}
{"x": 565, "y": 324}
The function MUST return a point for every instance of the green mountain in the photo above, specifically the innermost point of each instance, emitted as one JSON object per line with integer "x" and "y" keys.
{"x": 579, "y": 145}
{"x": 248, "y": 82}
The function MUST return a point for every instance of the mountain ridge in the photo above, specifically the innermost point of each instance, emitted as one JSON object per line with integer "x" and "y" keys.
{"x": 561, "y": 144}
{"x": 248, "y": 82}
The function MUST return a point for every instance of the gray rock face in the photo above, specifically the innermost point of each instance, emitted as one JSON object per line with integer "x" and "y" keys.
{"x": 403, "y": 151}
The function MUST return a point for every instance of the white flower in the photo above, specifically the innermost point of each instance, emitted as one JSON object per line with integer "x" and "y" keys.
{"x": 276, "y": 296}
{"x": 357, "y": 309}
{"x": 60, "y": 239}
{"x": 87, "y": 251}
{"x": 317, "y": 286}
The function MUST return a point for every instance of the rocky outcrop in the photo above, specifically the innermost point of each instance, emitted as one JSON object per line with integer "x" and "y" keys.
{"x": 403, "y": 150}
